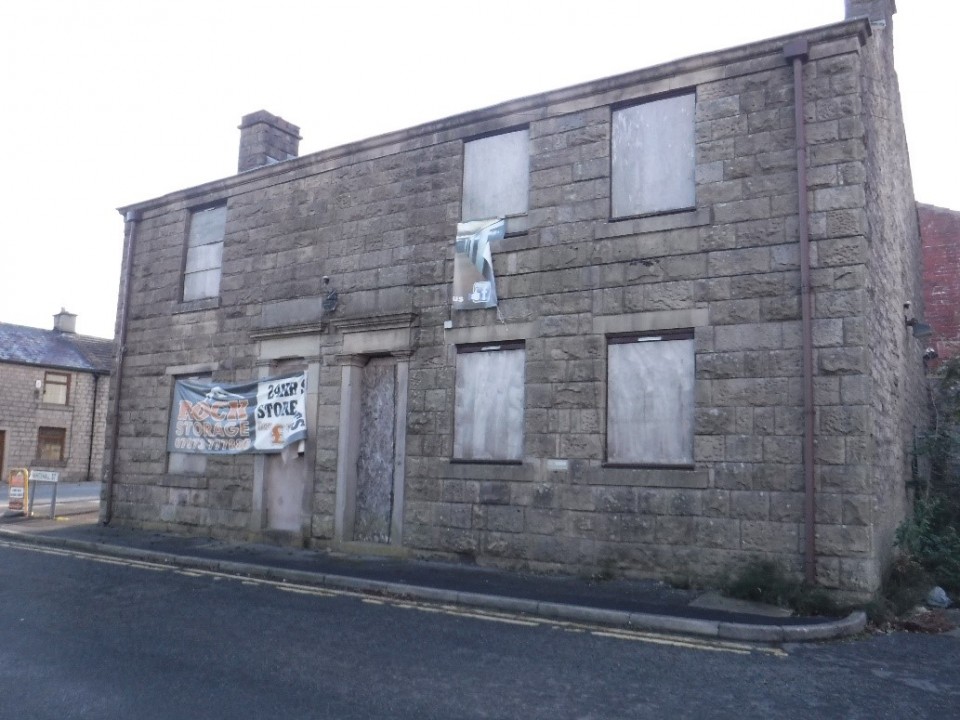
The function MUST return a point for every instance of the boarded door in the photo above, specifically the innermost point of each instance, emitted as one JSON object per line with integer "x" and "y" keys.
{"x": 285, "y": 476}
{"x": 375, "y": 462}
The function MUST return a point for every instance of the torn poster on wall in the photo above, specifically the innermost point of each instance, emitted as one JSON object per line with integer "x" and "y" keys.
{"x": 474, "y": 285}
{"x": 227, "y": 419}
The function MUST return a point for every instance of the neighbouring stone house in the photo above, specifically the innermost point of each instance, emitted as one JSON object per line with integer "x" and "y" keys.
{"x": 654, "y": 394}
{"x": 940, "y": 232}
{"x": 54, "y": 386}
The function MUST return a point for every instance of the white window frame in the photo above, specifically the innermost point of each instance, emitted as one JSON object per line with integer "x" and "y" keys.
{"x": 50, "y": 382}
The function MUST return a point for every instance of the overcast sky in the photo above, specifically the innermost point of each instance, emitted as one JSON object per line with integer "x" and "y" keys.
{"x": 108, "y": 102}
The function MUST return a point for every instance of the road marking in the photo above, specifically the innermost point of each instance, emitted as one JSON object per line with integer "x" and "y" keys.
{"x": 305, "y": 590}
{"x": 675, "y": 642}
{"x": 687, "y": 642}
{"x": 520, "y": 619}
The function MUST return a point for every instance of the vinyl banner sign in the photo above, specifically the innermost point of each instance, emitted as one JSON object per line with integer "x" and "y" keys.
{"x": 259, "y": 417}
{"x": 474, "y": 285}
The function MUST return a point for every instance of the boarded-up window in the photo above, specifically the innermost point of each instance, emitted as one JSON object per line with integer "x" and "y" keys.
{"x": 488, "y": 417}
{"x": 650, "y": 399}
{"x": 496, "y": 178}
{"x": 201, "y": 269}
{"x": 56, "y": 388}
{"x": 653, "y": 157}
{"x": 51, "y": 444}
{"x": 186, "y": 463}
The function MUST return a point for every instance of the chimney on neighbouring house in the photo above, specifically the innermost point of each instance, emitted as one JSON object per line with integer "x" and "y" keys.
{"x": 65, "y": 322}
{"x": 880, "y": 12}
{"x": 266, "y": 139}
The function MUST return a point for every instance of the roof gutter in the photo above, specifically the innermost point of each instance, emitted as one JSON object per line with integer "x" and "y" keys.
{"x": 130, "y": 219}
{"x": 796, "y": 52}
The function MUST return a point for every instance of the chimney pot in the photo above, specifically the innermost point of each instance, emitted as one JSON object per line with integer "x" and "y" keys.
{"x": 65, "y": 322}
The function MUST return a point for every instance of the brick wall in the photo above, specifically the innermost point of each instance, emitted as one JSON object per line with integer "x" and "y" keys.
{"x": 378, "y": 218}
{"x": 940, "y": 230}
{"x": 22, "y": 413}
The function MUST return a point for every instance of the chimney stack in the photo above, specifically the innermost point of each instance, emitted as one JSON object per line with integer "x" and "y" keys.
{"x": 65, "y": 322}
{"x": 879, "y": 12}
{"x": 266, "y": 139}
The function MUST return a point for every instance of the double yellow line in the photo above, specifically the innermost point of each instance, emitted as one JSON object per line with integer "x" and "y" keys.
{"x": 678, "y": 641}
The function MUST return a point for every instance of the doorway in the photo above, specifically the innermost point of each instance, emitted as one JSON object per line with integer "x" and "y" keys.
{"x": 377, "y": 451}
{"x": 372, "y": 449}
{"x": 286, "y": 474}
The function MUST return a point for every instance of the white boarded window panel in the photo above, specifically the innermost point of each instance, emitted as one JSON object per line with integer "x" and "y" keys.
{"x": 654, "y": 163}
{"x": 650, "y": 402}
{"x": 201, "y": 277}
{"x": 203, "y": 284}
{"x": 187, "y": 463}
{"x": 204, "y": 257}
{"x": 488, "y": 416}
{"x": 496, "y": 172}
{"x": 206, "y": 226}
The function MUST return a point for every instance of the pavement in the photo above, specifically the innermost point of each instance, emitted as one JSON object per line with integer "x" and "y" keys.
{"x": 639, "y": 605}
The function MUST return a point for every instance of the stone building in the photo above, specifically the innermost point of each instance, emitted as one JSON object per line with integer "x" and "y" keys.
{"x": 690, "y": 363}
{"x": 54, "y": 386}
{"x": 940, "y": 232}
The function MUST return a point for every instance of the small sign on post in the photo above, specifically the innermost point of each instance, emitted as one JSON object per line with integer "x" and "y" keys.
{"x": 43, "y": 476}
{"x": 17, "y": 489}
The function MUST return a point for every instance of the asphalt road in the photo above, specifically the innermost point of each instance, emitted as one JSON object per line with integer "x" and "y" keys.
{"x": 85, "y": 636}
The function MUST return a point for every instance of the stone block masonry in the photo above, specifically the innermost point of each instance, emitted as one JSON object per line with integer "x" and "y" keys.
{"x": 24, "y": 413}
{"x": 375, "y": 223}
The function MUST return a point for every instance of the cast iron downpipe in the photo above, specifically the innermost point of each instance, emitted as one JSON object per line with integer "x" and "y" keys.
{"x": 796, "y": 53}
{"x": 93, "y": 427}
{"x": 131, "y": 218}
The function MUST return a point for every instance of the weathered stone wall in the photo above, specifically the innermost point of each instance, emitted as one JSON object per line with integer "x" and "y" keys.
{"x": 897, "y": 391}
{"x": 378, "y": 218}
{"x": 24, "y": 413}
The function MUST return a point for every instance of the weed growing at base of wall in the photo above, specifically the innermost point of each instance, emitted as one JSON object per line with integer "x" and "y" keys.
{"x": 929, "y": 534}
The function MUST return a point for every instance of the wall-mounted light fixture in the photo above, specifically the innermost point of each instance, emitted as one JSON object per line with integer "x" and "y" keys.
{"x": 330, "y": 300}
{"x": 920, "y": 329}
{"x": 38, "y": 386}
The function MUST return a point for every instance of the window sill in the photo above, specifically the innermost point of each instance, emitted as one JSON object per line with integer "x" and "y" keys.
{"x": 468, "y": 461}
{"x": 41, "y": 463}
{"x": 197, "y": 305}
{"x": 183, "y": 480}
{"x": 650, "y": 466}
{"x": 673, "y": 220}
{"x": 665, "y": 476}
